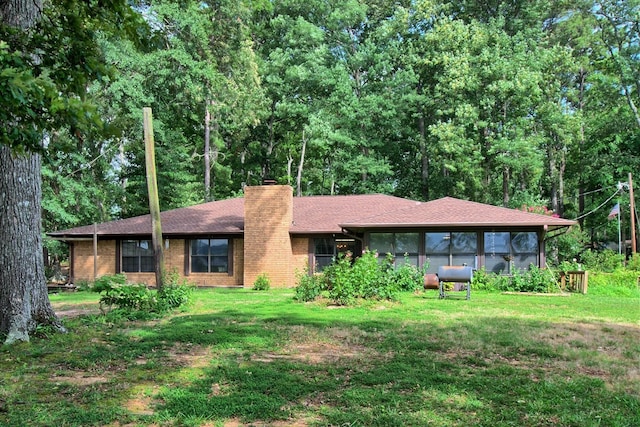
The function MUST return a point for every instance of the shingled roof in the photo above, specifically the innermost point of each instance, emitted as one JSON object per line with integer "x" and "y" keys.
{"x": 451, "y": 212}
{"x": 323, "y": 214}
{"x": 218, "y": 217}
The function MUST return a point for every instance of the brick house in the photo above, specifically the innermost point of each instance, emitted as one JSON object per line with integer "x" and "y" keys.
{"x": 268, "y": 231}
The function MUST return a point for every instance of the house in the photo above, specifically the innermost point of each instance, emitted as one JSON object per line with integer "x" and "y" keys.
{"x": 268, "y": 231}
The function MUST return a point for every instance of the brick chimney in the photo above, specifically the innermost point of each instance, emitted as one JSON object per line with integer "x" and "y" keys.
{"x": 268, "y": 213}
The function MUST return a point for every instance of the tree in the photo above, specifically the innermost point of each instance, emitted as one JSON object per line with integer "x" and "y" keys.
{"x": 23, "y": 291}
{"x": 43, "y": 90}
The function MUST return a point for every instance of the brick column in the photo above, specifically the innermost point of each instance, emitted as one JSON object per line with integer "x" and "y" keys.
{"x": 268, "y": 213}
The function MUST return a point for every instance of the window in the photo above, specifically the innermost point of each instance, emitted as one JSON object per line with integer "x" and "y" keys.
{"x": 324, "y": 252}
{"x": 450, "y": 248}
{"x": 504, "y": 251}
{"x": 137, "y": 256}
{"x": 210, "y": 256}
{"x": 401, "y": 245}
{"x": 326, "y": 249}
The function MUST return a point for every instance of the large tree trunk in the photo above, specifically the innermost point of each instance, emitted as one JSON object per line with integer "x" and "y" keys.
{"x": 24, "y": 302}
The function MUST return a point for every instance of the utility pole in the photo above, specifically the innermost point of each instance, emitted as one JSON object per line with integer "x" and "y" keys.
{"x": 154, "y": 203}
{"x": 633, "y": 212}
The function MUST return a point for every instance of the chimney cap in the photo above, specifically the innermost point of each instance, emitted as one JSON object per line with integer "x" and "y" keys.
{"x": 268, "y": 181}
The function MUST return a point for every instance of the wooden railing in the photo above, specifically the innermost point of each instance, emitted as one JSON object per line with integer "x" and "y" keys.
{"x": 576, "y": 281}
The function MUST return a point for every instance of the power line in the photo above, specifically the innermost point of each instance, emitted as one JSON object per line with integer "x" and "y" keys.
{"x": 595, "y": 191}
{"x": 601, "y": 205}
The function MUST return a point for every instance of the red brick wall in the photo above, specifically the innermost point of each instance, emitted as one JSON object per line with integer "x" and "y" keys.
{"x": 300, "y": 259}
{"x": 83, "y": 259}
{"x": 174, "y": 259}
{"x": 268, "y": 212}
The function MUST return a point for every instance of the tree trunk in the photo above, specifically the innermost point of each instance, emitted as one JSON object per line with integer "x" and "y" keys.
{"x": 505, "y": 186}
{"x": 207, "y": 151}
{"x": 24, "y": 302}
{"x": 424, "y": 155}
{"x": 300, "y": 166}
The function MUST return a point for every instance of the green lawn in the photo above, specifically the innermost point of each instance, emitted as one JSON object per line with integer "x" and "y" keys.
{"x": 241, "y": 357}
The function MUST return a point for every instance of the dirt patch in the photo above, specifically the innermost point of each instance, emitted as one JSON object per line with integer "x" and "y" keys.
{"x": 610, "y": 346}
{"x": 333, "y": 345}
{"x": 313, "y": 353}
{"x": 80, "y": 380}
{"x": 192, "y": 356}
{"x": 286, "y": 423}
{"x": 140, "y": 405}
{"x": 606, "y": 338}
{"x": 77, "y": 312}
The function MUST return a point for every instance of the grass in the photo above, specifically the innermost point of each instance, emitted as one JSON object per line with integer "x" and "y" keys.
{"x": 240, "y": 357}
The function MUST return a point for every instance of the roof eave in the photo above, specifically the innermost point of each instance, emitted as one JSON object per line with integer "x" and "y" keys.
{"x": 452, "y": 225}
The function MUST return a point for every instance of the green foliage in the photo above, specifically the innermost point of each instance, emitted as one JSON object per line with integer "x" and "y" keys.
{"x": 620, "y": 283}
{"x": 108, "y": 282}
{"x": 262, "y": 283}
{"x": 532, "y": 280}
{"x": 174, "y": 295}
{"x": 634, "y": 262}
{"x": 345, "y": 280}
{"x": 566, "y": 246}
{"x": 606, "y": 260}
{"x": 309, "y": 286}
{"x": 483, "y": 280}
{"x": 176, "y": 292}
{"x": 408, "y": 277}
{"x": 130, "y": 300}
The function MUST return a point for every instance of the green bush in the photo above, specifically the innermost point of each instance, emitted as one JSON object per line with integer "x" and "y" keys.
{"x": 175, "y": 292}
{"x": 621, "y": 283}
{"x": 634, "y": 262}
{"x": 174, "y": 295}
{"x": 108, "y": 282}
{"x": 483, "y": 280}
{"x": 262, "y": 283}
{"x": 309, "y": 287}
{"x": 606, "y": 261}
{"x": 129, "y": 299}
{"x": 532, "y": 280}
{"x": 408, "y": 277}
{"x": 346, "y": 281}
{"x": 342, "y": 285}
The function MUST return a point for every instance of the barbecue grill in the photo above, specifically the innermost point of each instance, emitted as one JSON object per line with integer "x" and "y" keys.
{"x": 455, "y": 274}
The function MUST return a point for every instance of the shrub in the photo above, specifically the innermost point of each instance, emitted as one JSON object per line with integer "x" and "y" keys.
{"x": 483, "y": 281}
{"x": 108, "y": 282}
{"x": 174, "y": 295}
{"x": 175, "y": 292}
{"x": 262, "y": 283}
{"x": 309, "y": 287}
{"x": 366, "y": 278}
{"x": 83, "y": 285}
{"x": 607, "y": 260}
{"x": 634, "y": 262}
{"x": 620, "y": 283}
{"x": 341, "y": 285}
{"x": 408, "y": 277}
{"x": 532, "y": 280}
{"x": 129, "y": 298}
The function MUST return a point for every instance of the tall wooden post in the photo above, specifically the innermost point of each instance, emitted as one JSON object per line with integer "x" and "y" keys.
{"x": 95, "y": 251}
{"x": 633, "y": 212}
{"x": 154, "y": 203}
